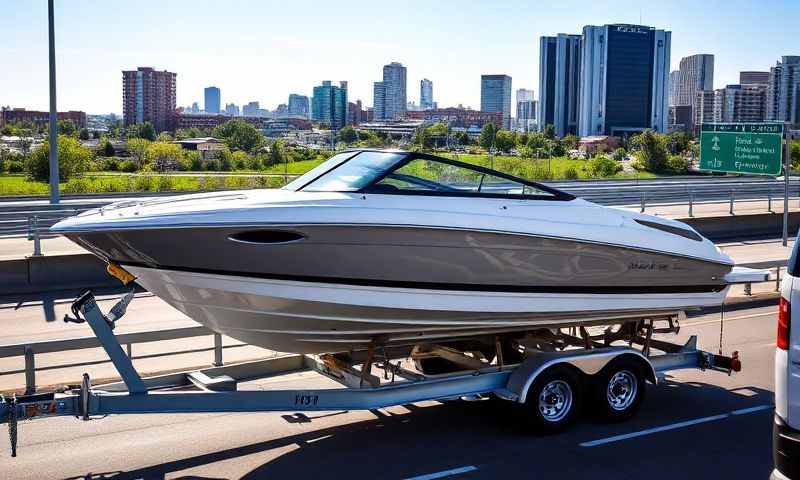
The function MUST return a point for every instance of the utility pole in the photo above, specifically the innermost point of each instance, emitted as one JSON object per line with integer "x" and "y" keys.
{"x": 787, "y": 153}
{"x": 54, "y": 194}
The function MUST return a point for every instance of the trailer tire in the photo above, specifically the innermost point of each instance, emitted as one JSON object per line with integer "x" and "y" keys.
{"x": 552, "y": 402}
{"x": 619, "y": 389}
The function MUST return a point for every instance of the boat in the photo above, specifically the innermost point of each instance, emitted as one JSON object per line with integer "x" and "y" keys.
{"x": 389, "y": 247}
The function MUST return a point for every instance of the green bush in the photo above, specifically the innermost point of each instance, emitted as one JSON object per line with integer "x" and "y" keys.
{"x": 677, "y": 164}
{"x": 571, "y": 173}
{"x": 195, "y": 164}
{"x": 143, "y": 183}
{"x": 77, "y": 185}
{"x": 603, "y": 166}
{"x": 73, "y": 160}
{"x": 214, "y": 165}
{"x": 128, "y": 166}
{"x": 164, "y": 183}
{"x": 15, "y": 166}
{"x": 110, "y": 164}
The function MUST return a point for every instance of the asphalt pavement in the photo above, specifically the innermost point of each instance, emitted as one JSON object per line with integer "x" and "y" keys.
{"x": 693, "y": 425}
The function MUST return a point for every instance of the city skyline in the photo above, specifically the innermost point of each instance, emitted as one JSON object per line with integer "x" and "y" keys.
{"x": 290, "y": 59}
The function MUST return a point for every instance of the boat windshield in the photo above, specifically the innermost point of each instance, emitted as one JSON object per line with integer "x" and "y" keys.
{"x": 416, "y": 174}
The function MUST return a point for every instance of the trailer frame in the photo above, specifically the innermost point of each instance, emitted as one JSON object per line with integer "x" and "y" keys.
{"x": 215, "y": 390}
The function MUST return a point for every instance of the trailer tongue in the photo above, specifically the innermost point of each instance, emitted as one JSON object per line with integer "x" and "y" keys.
{"x": 557, "y": 369}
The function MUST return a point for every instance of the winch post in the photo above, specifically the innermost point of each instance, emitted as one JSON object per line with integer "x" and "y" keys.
{"x": 102, "y": 330}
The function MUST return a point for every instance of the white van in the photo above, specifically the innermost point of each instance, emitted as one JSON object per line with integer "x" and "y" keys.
{"x": 786, "y": 432}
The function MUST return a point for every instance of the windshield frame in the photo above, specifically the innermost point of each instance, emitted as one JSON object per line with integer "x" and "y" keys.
{"x": 407, "y": 157}
{"x": 555, "y": 194}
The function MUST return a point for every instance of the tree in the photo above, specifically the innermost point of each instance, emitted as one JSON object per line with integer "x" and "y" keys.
{"x": 486, "y": 140}
{"x": 550, "y": 131}
{"x": 83, "y": 134}
{"x": 795, "y": 154}
{"x": 164, "y": 137}
{"x": 73, "y": 159}
{"x": 142, "y": 130}
{"x": 66, "y": 127}
{"x": 137, "y": 147}
{"x": 163, "y": 156}
{"x": 569, "y": 142}
{"x": 104, "y": 148}
{"x": 276, "y": 153}
{"x": 505, "y": 140}
{"x": 348, "y": 134}
{"x": 95, "y": 134}
{"x": 652, "y": 150}
{"x": 463, "y": 138}
{"x": 240, "y": 135}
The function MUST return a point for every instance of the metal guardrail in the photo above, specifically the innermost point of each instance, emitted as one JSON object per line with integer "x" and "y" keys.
{"x": 28, "y": 350}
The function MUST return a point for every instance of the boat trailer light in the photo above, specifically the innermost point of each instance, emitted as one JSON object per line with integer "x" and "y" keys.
{"x": 116, "y": 271}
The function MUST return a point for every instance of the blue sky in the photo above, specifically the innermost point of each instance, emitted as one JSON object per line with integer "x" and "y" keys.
{"x": 264, "y": 50}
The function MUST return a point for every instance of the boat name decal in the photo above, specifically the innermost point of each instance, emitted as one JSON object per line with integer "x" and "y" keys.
{"x": 652, "y": 266}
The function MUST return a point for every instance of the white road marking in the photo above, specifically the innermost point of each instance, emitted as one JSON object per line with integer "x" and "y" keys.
{"x": 444, "y": 473}
{"x": 673, "y": 426}
{"x": 751, "y": 409}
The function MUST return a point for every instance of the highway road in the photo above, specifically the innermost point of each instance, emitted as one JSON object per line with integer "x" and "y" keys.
{"x": 693, "y": 425}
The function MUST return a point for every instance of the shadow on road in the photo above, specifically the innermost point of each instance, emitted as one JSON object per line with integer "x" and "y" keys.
{"x": 492, "y": 436}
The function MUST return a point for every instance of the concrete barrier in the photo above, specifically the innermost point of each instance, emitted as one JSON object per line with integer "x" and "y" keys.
{"x": 53, "y": 272}
{"x": 732, "y": 227}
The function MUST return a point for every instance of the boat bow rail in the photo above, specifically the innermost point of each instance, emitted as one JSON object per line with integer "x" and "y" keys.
{"x": 215, "y": 389}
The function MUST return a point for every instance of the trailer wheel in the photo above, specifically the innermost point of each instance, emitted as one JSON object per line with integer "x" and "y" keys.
{"x": 553, "y": 400}
{"x": 619, "y": 389}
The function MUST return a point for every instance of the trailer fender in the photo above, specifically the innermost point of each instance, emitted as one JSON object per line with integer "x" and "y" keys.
{"x": 587, "y": 362}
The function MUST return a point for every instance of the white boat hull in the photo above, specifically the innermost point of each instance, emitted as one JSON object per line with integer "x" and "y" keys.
{"x": 313, "y": 317}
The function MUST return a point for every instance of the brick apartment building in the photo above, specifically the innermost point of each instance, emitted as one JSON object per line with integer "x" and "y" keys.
{"x": 13, "y": 115}
{"x": 148, "y": 95}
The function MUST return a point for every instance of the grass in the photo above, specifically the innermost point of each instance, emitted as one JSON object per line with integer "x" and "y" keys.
{"x": 19, "y": 185}
{"x": 109, "y": 182}
{"x": 539, "y": 169}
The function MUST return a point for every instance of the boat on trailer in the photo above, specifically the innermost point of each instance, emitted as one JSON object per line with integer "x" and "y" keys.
{"x": 377, "y": 248}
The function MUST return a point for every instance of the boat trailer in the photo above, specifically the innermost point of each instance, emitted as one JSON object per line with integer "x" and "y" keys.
{"x": 542, "y": 379}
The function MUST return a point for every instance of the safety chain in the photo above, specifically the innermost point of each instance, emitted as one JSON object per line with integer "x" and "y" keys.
{"x": 12, "y": 425}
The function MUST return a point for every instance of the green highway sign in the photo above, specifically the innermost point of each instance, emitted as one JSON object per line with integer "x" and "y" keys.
{"x": 753, "y": 148}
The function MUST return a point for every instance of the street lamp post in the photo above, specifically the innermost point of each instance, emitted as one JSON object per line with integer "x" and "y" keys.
{"x": 54, "y": 194}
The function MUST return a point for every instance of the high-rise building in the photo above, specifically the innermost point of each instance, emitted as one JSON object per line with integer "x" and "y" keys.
{"x": 751, "y": 78}
{"x": 674, "y": 87}
{"x": 251, "y": 109}
{"x": 526, "y": 110}
{"x": 329, "y": 104}
{"x": 148, "y": 96}
{"x": 213, "y": 100}
{"x": 783, "y": 91}
{"x": 426, "y": 94}
{"x": 703, "y": 109}
{"x": 355, "y": 113}
{"x": 559, "y": 82}
{"x": 696, "y": 72}
{"x": 496, "y": 97}
{"x": 194, "y": 108}
{"x": 282, "y": 110}
{"x": 624, "y": 79}
{"x": 298, "y": 105}
{"x": 740, "y": 103}
{"x": 389, "y": 95}
{"x": 232, "y": 109}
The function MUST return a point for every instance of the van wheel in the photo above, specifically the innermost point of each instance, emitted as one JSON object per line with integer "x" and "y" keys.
{"x": 553, "y": 400}
{"x": 619, "y": 389}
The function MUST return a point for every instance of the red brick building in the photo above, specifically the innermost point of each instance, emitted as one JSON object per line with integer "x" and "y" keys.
{"x": 458, "y": 117}
{"x": 148, "y": 96}
{"x": 13, "y": 115}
